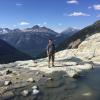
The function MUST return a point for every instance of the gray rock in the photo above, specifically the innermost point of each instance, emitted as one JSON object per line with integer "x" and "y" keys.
{"x": 50, "y": 79}
{"x": 7, "y": 83}
{"x": 8, "y": 72}
{"x": 35, "y": 87}
{"x": 25, "y": 93}
{"x": 35, "y": 91}
{"x": 8, "y": 95}
{"x": 76, "y": 76}
{"x": 30, "y": 80}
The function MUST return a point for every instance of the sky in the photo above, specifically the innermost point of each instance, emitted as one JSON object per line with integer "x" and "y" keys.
{"x": 55, "y": 14}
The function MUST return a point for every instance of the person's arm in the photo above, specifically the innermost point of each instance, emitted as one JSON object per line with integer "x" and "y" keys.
{"x": 47, "y": 50}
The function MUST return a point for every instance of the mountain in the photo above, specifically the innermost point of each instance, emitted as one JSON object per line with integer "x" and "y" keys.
{"x": 77, "y": 38}
{"x": 4, "y": 30}
{"x": 70, "y": 31}
{"x": 66, "y": 34}
{"x": 30, "y": 40}
{"x": 10, "y": 54}
{"x": 33, "y": 40}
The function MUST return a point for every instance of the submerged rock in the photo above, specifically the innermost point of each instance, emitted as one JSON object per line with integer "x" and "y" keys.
{"x": 30, "y": 80}
{"x": 35, "y": 87}
{"x": 76, "y": 76}
{"x": 25, "y": 93}
{"x": 35, "y": 91}
{"x": 7, "y": 96}
{"x": 51, "y": 79}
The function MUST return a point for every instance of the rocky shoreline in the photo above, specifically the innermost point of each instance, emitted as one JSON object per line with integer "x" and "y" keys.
{"x": 18, "y": 78}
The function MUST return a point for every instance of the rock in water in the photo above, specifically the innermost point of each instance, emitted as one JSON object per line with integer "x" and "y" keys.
{"x": 25, "y": 92}
{"x": 30, "y": 80}
{"x": 76, "y": 76}
{"x": 7, "y": 83}
{"x": 35, "y": 91}
{"x": 7, "y": 96}
{"x": 51, "y": 79}
{"x": 35, "y": 87}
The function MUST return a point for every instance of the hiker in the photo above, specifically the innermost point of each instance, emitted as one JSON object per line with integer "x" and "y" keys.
{"x": 51, "y": 52}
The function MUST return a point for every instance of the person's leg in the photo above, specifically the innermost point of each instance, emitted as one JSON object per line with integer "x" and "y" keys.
{"x": 53, "y": 59}
{"x": 49, "y": 59}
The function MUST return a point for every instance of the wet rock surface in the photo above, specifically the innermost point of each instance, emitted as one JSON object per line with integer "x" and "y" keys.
{"x": 47, "y": 85}
{"x": 36, "y": 85}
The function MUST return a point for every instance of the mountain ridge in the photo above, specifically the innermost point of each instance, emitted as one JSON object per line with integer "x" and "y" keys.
{"x": 80, "y": 36}
{"x": 11, "y": 54}
{"x": 33, "y": 40}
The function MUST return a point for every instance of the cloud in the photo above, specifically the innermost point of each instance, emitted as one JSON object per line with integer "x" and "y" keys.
{"x": 78, "y": 14}
{"x": 24, "y": 23}
{"x": 96, "y": 7}
{"x": 19, "y": 4}
{"x": 72, "y": 2}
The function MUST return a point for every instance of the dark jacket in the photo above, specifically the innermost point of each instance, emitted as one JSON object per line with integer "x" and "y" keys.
{"x": 51, "y": 48}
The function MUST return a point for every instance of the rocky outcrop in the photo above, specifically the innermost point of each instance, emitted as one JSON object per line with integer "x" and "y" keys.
{"x": 87, "y": 50}
{"x": 90, "y": 48}
{"x": 75, "y": 40}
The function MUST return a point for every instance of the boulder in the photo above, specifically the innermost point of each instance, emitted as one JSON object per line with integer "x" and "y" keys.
{"x": 25, "y": 93}
{"x": 89, "y": 48}
{"x": 8, "y": 72}
{"x": 35, "y": 91}
{"x": 35, "y": 87}
{"x": 76, "y": 76}
{"x": 50, "y": 79}
{"x": 7, "y": 83}
{"x": 30, "y": 80}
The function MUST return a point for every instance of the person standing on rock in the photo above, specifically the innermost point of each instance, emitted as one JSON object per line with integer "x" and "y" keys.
{"x": 51, "y": 52}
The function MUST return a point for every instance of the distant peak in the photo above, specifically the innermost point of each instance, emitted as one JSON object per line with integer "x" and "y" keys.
{"x": 70, "y": 29}
{"x": 44, "y": 27}
{"x": 36, "y": 27}
{"x": 16, "y": 30}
